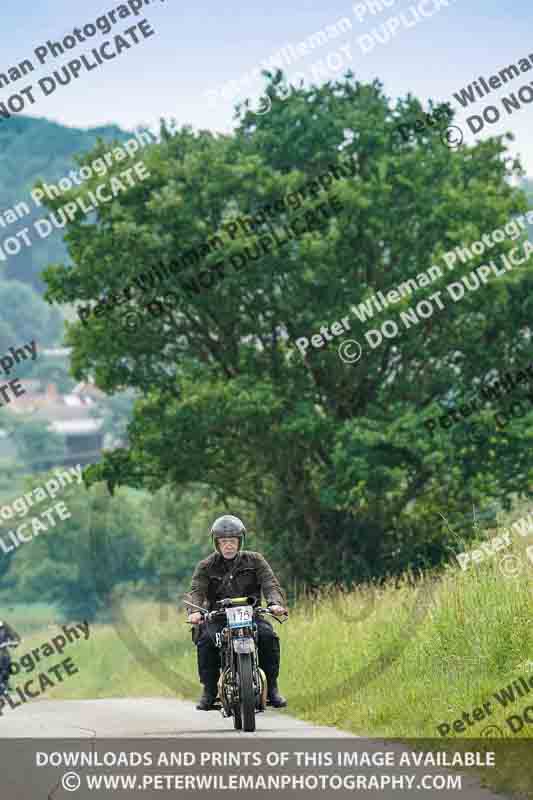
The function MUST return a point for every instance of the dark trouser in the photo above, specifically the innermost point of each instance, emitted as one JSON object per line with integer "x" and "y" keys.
{"x": 209, "y": 653}
{"x": 5, "y": 662}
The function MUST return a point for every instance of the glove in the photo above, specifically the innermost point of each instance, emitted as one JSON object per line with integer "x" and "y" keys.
{"x": 277, "y": 610}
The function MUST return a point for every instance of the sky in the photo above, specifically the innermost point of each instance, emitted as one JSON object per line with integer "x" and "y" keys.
{"x": 198, "y": 47}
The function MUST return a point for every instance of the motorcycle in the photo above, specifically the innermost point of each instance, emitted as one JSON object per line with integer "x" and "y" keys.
{"x": 242, "y": 686}
{"x": 5, "y": 667}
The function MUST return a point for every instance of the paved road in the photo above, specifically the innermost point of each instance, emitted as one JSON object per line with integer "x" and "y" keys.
{"x": 165, "y": 718}
{"x": 138, "y": 717}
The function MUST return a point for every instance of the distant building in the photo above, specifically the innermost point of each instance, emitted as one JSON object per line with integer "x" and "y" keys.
{"x": 71, "y": 415}
{"x": 77, "y": 416}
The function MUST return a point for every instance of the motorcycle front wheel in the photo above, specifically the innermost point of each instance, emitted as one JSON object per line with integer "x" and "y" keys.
{"x": 246, "y": 712}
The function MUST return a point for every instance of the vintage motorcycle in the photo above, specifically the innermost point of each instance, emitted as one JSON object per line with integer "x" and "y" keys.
{"x": 242, "y": 686}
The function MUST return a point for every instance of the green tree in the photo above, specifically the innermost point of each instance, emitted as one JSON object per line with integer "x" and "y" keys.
{"x": 132, "y": 542}
{"x": 38, "y": 447}
{"x": 330, "y": 456}
{"x": 78, "y": 562}
{"x": 26, "y": 317}
{"x": 116, "y": 414}
{"x": 52, "y": 369}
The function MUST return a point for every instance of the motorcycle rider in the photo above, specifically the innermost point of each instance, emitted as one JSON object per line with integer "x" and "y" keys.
{"x": 232, "y": 572}
{"x": 7, "y": 635}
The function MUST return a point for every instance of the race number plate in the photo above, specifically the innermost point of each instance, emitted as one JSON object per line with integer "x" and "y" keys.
{"x": 240, "y": 616}
{"x": 244, "y": 645}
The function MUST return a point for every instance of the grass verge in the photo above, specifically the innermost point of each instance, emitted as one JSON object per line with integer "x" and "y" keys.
{"x": 396, "y": 660}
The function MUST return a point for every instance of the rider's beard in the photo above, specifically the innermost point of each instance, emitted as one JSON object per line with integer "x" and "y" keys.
{"x": 229, "y": 555}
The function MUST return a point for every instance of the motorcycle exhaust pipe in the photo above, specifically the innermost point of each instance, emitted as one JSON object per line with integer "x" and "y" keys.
{"x": 222, "y": 693}
{"x": 263, "y": 694}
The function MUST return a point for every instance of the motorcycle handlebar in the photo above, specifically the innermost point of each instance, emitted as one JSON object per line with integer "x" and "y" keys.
{"x": 210, "y": 615}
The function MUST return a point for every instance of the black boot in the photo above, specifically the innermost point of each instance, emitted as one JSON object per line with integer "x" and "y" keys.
{"x": 274, "y": 698}
{"x": 207, "y": 700}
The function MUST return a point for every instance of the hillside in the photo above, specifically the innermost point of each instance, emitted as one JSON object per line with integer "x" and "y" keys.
{"x": 33, "y": 148}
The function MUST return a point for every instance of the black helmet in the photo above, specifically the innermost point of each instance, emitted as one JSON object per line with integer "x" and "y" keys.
{"x": 226, "y": 527}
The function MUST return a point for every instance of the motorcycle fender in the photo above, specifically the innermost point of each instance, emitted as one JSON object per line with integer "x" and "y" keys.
{"x": 244, "y": 645}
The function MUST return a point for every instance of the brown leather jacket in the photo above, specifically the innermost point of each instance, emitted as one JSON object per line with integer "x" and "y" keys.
{"x": 247, "y": 574}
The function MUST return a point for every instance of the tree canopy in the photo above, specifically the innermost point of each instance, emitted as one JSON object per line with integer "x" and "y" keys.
{"x": 331, "y": 457}
{"x": 26, "y": 317}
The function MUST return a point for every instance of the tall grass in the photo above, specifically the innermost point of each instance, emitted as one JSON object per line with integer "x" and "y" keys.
{"x": 472, "y": 637}
{"x": 393, "y": 660}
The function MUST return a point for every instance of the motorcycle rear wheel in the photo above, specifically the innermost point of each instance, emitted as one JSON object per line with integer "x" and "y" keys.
{"x": 246, "y": 692}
